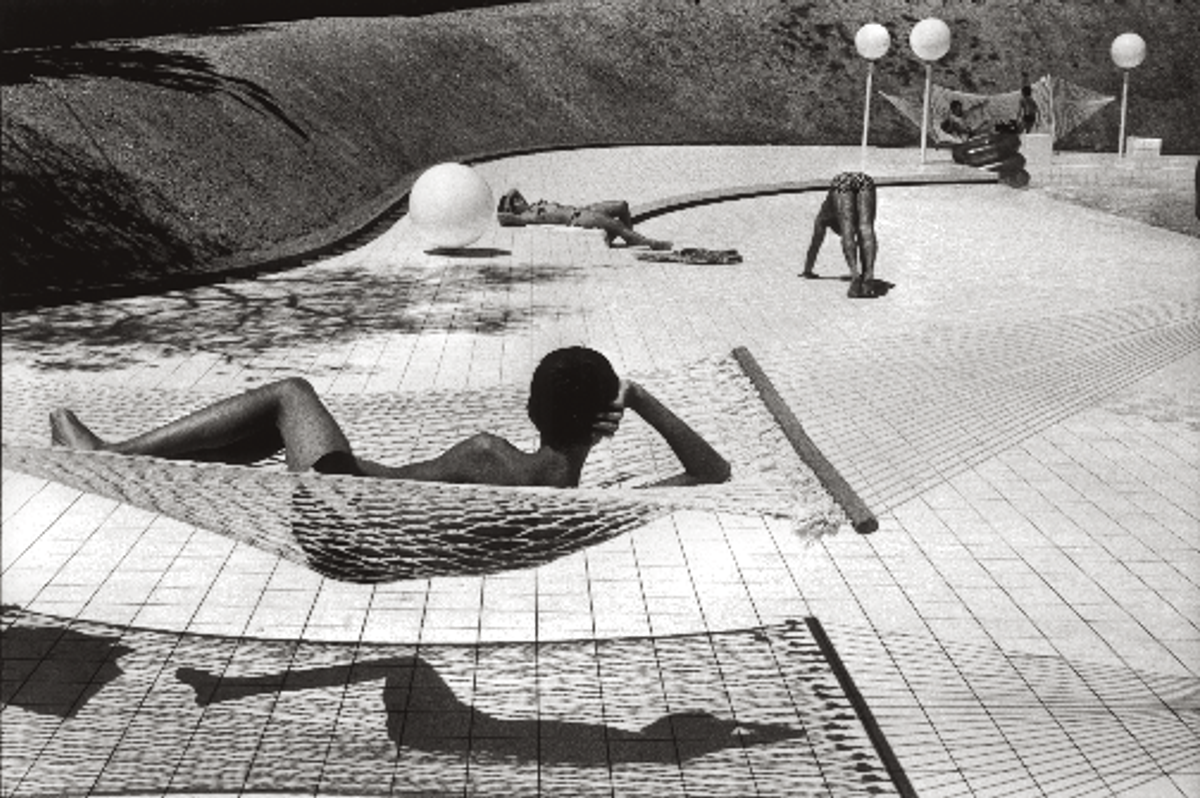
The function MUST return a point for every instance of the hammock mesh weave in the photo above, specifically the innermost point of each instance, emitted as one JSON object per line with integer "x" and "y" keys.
{"x": 1062, "y": 107}
{"x": 366, "y": 530}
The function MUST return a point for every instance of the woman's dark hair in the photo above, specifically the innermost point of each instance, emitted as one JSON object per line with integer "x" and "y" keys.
{"x": 506, "y": 201}
{"x": 569, "y": 388}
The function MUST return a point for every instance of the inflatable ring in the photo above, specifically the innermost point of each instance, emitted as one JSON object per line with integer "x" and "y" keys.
{"x": 1017, "y": 179}
{"x": 1013, "y": 163}
{"x": 986, "y": 149}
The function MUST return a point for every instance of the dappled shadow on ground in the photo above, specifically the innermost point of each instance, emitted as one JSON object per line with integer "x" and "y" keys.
{"x": 318, "y": 307}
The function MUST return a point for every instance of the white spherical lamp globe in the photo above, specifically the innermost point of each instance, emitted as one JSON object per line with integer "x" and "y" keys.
{"x": 872, "y": 41}
{"x": 930, "y": 39}
{"x": 451, "y": 206}
{"x": 1128, "y": 50}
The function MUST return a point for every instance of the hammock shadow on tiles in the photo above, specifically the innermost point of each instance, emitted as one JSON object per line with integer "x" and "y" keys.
{"x": 366, "y": 530}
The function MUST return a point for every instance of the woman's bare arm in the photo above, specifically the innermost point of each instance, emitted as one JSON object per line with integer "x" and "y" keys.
{"x": 814, "y": 245}
{"x": 701, "y": 462}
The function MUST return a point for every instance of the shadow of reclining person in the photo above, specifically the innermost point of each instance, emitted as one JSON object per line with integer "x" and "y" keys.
{"x": 424, "y": 714}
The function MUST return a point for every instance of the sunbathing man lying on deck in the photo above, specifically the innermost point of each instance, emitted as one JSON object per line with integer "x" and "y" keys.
{"x": 612, "y": 217}
{"x": 849, "y": 211}
{"x": 575, "y": 399}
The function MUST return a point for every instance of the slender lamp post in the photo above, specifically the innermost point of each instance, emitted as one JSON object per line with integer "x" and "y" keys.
{"x": 1128, "y": 51}
{"x": 872, "y": 41}
{"x": 930, "y": 40}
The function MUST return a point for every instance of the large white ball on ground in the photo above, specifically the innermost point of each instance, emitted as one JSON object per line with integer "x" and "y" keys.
{"x": 451, "y": 206}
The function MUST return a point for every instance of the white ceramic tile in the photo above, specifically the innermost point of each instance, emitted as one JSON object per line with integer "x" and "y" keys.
{"x": 1073, "y": 543}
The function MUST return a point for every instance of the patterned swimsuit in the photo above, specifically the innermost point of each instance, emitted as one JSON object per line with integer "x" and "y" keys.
{"x": 851, "y": 182}
{"x": 542, "y": 208}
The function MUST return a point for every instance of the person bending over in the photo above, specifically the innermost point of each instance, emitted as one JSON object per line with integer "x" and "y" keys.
{"x": 612, "y": 217}
{"x": 849, "y": 211}
{"x": 575, "y": 399}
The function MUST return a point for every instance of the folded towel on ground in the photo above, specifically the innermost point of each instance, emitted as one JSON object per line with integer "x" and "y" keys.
{"x": 693, "y": 255}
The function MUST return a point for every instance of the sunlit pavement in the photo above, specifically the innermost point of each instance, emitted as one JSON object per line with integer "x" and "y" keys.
{"x": 1020, "y": 410}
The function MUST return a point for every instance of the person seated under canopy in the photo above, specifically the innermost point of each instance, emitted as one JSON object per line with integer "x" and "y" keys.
{"x": 964, "y": 124}
{"x": 611, "y": 216}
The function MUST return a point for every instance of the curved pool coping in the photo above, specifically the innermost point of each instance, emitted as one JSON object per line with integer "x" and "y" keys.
{"x": 685, "y": 202}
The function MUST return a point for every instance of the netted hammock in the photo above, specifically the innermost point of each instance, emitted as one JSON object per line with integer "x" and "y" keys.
{"x": 368, "y": 530}
{"x": 1062, "y": 107}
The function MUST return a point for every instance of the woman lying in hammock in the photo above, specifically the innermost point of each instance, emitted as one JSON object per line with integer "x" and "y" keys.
{"x": 575, "y": 399}
{"x": 612, "y": 216}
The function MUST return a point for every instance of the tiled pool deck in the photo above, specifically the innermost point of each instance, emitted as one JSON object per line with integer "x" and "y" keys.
{"x": 1021, "y": 411}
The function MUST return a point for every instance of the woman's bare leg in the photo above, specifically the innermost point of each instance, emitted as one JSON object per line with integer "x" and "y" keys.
{"x": 615, "y": 229}
{"x": 636, "y": 239}
{"x": 287, "y": 414}
{"x": 866, "y": 234}
{"x": 618, "y": 209}
{"x": 846, "y": 206}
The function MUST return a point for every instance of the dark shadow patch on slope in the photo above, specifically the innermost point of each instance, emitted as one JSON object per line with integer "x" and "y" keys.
{"x": 173, "y": 70}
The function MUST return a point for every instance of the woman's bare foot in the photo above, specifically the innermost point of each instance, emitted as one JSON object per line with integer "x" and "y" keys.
{"x": 67, "y": 430}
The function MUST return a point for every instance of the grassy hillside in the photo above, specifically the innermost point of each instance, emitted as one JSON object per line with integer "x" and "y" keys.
{"x": 125, "y": 161}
